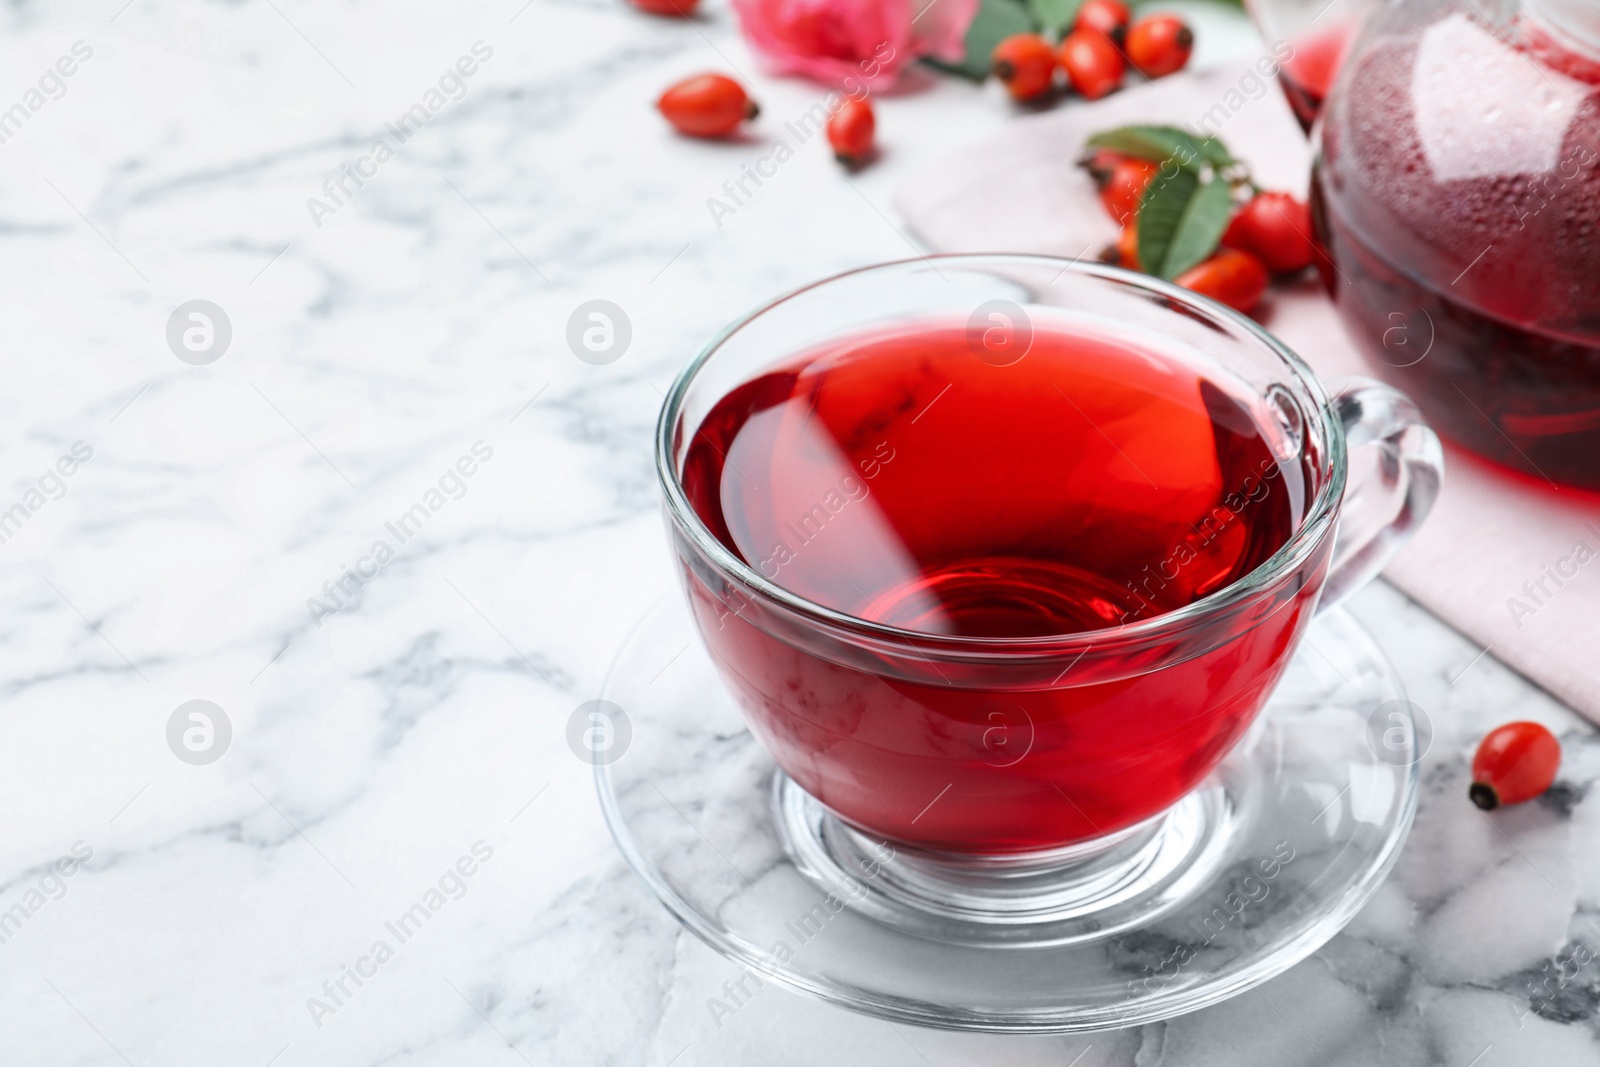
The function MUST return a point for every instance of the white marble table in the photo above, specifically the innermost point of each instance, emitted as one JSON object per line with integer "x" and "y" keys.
{"x": 404, "y": 735}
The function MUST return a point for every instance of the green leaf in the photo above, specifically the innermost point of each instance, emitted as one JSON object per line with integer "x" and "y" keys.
{"x": 1200, "y": 228}
{"x": 1181, "y": 221}
{"x": 1053, "y": 16}
{"x": 1161, "y": 143}
{"x": 1160, "y": 213}
{"x": 995, "y": 21}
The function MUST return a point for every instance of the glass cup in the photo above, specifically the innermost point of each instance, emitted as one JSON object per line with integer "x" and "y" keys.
{"x": 980, "y": 758}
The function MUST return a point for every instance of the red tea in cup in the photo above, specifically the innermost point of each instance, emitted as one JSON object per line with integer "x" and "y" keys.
{"x": 896, "y": 477}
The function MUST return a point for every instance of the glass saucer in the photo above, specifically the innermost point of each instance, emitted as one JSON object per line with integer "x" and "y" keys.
{"x": 1251, "y": 873}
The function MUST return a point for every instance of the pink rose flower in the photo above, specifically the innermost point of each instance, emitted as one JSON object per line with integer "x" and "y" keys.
{"x": 854, "y": 42}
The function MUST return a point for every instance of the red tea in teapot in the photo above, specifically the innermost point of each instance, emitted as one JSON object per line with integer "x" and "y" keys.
{"x": 1458, "y": 198}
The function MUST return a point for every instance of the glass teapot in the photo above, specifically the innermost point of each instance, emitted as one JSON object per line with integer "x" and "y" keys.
{"x": 1456, "y": 199}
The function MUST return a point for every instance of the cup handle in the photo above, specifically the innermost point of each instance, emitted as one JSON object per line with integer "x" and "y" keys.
{"x": 1382, "y": 508}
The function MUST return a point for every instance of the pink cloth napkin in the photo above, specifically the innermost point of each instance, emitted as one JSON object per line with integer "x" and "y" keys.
{"x": 1488, "y": 535}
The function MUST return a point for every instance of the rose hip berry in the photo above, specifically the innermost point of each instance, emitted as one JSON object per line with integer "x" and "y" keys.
{"x": 1514, "y": 762}
{"x": 1230, "y": 277}
{"x": 669, "y": 8}
{"x": 1099, "y": 163}
{"x": 1159, "y": 45}
{"x": 1026, "y": 63}
{"x": 1276, "y": 228}
{"x": 1125, "y": 253}
{"x": 1124, "y": 188}
{"x": 707, "y": 105}
{"x": 1093, "y": 64}
{"x": 850, "y": 132}
{"x": 1109, "y": 17}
